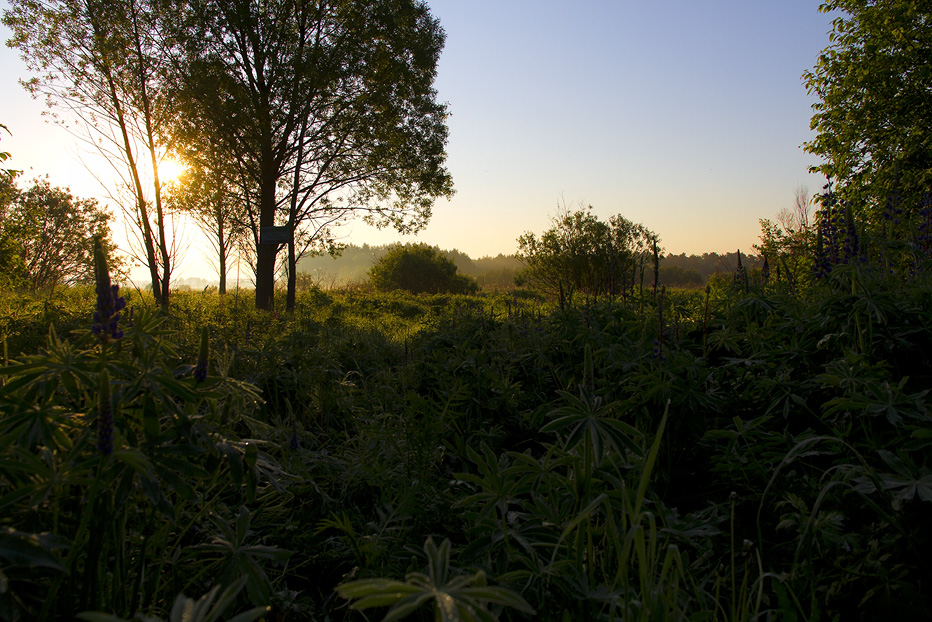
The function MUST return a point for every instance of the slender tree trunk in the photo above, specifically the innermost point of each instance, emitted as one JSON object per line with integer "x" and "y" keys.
{"x": 292, "y": 277}
{"x": 292, "y": 224}
{"x": 266, "y": 253}
{"x": 222, "y": 245}
{"x": 141, "y": 207}
{"x": 150, "y": 139}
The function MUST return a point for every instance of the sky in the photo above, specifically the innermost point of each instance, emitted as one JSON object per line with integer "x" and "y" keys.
{"x": 687, "y": 116}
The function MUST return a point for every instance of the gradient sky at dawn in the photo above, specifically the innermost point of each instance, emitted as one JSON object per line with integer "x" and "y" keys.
{"x": 685, "y": 115}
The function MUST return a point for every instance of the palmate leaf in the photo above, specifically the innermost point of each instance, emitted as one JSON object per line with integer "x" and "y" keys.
{"x": 498, "y": 486}
{"x": 588, "y": 417}
{"x": 30, "y": 550}
{"x": 460, "y": 599}
{"x": 908, "y": 481}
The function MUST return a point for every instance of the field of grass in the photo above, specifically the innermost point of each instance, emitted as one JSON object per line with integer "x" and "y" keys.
{"x": 730, "y": 454}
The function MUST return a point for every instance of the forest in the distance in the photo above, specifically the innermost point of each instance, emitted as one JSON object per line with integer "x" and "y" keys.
{"x": 351, "y": 267}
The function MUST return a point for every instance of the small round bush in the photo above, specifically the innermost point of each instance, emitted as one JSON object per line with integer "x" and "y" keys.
{"x": 419, "y": 269}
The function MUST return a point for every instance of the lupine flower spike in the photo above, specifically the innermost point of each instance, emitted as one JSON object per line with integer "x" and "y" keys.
{"x": 200, "y": 370}
{"x": 109, "y": 301}
{"x": 293, "y": 441}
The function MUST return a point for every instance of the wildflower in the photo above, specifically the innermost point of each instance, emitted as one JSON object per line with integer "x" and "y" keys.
{"x": 924, "y": 233}
{"x": 293, "y": 442}
{"x": 200, "y": 370}
{"x": 109, "y": 301}
{"x": 104, "y": 415}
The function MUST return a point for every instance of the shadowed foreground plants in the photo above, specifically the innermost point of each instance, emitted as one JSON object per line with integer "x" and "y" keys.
{"x": 210, "y": 607}
{"x": 583, "y": 460}
{"x": 115, "y": 451}
{"x": 462, "y": 598}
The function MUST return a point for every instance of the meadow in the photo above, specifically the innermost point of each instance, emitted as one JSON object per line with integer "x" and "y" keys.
{"x": 751, "y": 451}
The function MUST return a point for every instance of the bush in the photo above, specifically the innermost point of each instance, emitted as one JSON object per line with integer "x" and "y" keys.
{"x": 419, "y": 269}
{"x": 580, "y": 254}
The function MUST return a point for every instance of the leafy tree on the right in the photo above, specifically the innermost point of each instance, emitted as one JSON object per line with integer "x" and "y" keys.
{"x": 873, "y": 120}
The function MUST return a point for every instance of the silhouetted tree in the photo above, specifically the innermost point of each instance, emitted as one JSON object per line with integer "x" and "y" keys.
{"x": 102, "y": 62}
{"x": 329, "y": 110}
{"x": 47, "y": 236}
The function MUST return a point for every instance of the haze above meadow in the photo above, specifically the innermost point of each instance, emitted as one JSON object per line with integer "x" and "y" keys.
{"x": 687, "y": 117}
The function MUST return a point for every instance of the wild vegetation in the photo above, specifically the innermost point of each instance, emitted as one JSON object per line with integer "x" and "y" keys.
{"x": 752, "y": 450}
{"x": 594, "y": 446}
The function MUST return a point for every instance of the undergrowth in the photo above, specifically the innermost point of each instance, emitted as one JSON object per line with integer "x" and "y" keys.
{"x": 745, "y": 452}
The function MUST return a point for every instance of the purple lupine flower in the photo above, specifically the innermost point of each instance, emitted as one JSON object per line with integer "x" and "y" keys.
{"x": 200, "y": 369}
{"x": 109, "y": 302}
{"x": 924, "y": 233}
{"x": 828, "y": 243}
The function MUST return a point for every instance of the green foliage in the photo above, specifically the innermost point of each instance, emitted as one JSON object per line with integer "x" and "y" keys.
{"x": 743, "y": 452}
{"x": 582, "y": 255}
{"x": 678, "y": 270}
{"x": 875, "y": 103}
{"x": 47, "y": 236}
{"x": 343, "y": 122}
{"x": 352, "y": 263}
{"x": 675, "y": 276}
{"x": 210, "y": 607}
{"x": 456, "y": 599}
{"x": 113, "y": 458}
{"x": 417, "y": 269}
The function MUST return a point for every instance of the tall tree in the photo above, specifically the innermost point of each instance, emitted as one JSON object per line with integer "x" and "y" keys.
{"x": 874, "y": 84}
{"x": 328, "y": 108}
{"x": 100, "y": 60}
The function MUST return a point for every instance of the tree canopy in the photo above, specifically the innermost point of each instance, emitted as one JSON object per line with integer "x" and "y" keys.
{"x": 310, "y": 113}
{"x": 47, "y": 236}
{"x": 581, "y": 254}
{"x": 874, "y": 115}
{"x": 327, "y": 108}
{"x": 102, "y": 63}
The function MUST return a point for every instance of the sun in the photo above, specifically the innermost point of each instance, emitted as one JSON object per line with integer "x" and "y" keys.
{"x": 170, "y": 170}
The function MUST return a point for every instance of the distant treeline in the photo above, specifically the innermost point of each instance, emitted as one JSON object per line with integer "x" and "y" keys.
{"x": 492, "y": 273}
{"x": 353, "y": 264}
{"x": 498, "y": 272}
{"x": 694, "y": 270}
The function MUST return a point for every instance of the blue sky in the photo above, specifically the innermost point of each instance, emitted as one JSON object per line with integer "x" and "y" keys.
{"x": 687, "y": 116}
